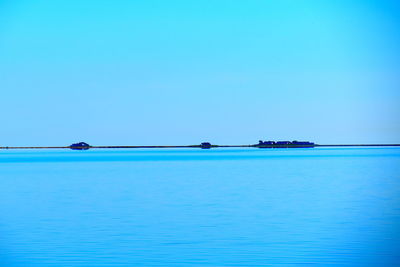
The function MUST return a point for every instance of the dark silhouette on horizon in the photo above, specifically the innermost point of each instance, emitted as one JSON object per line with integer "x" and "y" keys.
{"x": 284, "y": 144}
{"x": 208, "y": 145}
{"x": 205, "y": 145}
{"x": 80, "y": 146}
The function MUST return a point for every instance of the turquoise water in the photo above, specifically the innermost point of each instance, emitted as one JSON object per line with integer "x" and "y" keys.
{"x": 219, "y": 207}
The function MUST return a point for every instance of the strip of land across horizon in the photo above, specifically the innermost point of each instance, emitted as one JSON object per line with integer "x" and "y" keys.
{"x": 206, "y": 145}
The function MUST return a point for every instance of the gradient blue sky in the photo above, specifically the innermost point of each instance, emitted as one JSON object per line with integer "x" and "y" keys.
{"x": 182, "y": 72}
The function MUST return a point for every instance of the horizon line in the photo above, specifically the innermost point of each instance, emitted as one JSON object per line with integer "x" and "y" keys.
{"x": 197, "y": 146}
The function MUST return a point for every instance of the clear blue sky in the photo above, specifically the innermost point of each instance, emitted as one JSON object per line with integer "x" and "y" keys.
{"x": 182, "y": 72}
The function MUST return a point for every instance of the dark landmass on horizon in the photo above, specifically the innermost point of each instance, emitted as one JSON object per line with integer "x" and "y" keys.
{"x": 206, "y": 145}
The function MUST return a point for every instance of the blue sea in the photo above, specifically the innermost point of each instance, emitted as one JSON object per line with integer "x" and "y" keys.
{"x": 184, "y": 207}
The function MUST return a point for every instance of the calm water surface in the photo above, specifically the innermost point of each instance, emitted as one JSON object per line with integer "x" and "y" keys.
{"x": 219, "y": 207}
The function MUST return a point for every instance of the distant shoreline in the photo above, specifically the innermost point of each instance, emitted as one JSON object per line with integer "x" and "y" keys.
{"x": 199, "y": 146}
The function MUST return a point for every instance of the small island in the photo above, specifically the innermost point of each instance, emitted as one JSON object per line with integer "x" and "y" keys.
{"x": 284, "y": 144}
{"x": 80, "y": 146}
